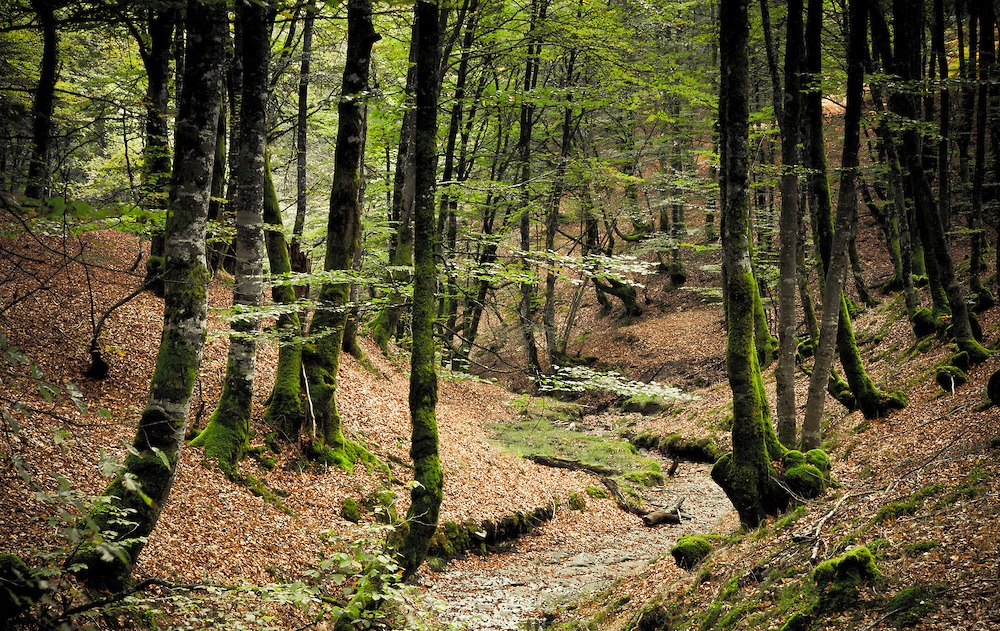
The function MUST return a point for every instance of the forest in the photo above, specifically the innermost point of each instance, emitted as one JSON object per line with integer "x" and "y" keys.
{"x": 489, "y": 314}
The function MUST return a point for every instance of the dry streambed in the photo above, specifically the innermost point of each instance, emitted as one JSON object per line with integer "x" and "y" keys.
{"x": 576, "y": 552}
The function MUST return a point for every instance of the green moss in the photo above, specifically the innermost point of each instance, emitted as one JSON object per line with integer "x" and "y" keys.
{"x": 734, "y": 616}
{"x": 597, "y": 492}
{"x": 911, "y": 605}
{"x": 908, "y": 506}
{"x": 649, "y": 475}
{"x": 800, "y": 621}
{"x": 959, "y": 360}
{"x": 577, "y": 501}
{"x": 840, "y": 579}
{"x": 793, "y": 458}
{"x": 923, "y": 323}
{"x": 350, "y": 510}
{"x": 690, "y": 550}
{"x": 819, "y": 459}
{"x": 645, "y": 404}
{"x": 383, "y": 504}
{"x": 950, "y": 377}
{"x": 976, "y": 351}
{"x": 921, "y": 546}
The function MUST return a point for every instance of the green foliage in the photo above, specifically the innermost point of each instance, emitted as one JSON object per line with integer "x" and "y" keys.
{"x": 597, "y": 493}
{"x": 690, "y": 550}
{"x": 577, "y": 501}
{"x": 911, "y": 605}
{"x": 840, "y": 579}
{"x": 908, "y": 506}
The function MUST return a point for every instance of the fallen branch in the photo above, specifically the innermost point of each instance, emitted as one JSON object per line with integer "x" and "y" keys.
{"x": 672, "y": 515}
{"x": 573, "y": 465}
{"x": 621, "y": 500}
{"x": 819, "y": 527}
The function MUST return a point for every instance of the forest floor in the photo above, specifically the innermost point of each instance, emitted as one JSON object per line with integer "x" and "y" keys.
{"x": 933, "y": 465}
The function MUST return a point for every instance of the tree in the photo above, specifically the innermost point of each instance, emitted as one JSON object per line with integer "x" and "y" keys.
{"x": 746, "y": 474}
{"x": 428, "y": 479}
{"x": 38, "y": 167}
{"x": 226, "y": 435}
{"x": 322, "y": 357}
{"x": 140, "y": 490}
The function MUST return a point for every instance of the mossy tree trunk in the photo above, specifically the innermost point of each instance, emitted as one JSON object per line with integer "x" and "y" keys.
{"x": 746, "y": 474}
{"x": 322, "y": 357}
{"x": 228, "y": 430}
{"x": 985, "y": 65}
{"x": 789, "y": 225}
{"x": 932, "y": 232}
{"x": 426, "y": 493}
{"x": 140, "y": 490}
{"x": 844, "y": 229}
{"x": 285, "y": 413}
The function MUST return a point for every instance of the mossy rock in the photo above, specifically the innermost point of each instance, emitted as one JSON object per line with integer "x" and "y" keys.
{"x": 18, "y": 588}
{"x": 578, "y": 501}
{"x": 840, "y": 579}
{"x": 350, "y": 510}
{"x": 923, "y": 323}
{"x": 643, "y": 404}
{"x": 981, "y": 300}
{"x": 993, "y": 388}
{"x": 703, "y": 449}
{"x": 805, "y": 481}
{"x": 793, "y": 458}
{"x": 911, "y": 605}
{"x": 690, "y": 550}
{"x": 383, "y": 505}
{"x": 950, "y": 377}
{"x": 552, "y": 410}
{"x": 597, "y": 493}
{"x": 959, "y": 359}
{"x": 819, "y": 459}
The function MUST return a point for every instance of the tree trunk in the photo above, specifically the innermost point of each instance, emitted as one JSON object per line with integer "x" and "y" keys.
{"x": 846, "y": 212}
{"x": 907, "y": 29}
{"x": 141, "y": 488}
{"x": 285, "y": 413}
{"x": 426, "y": 493}
{"x": 789, "y": 223}
{"x": 301, "y": 137}
{"x": 980, "y": 294}
{"x": 322, "y": 357}
{"x": 746, "y": 474}
{"x": 45, "y": 96}
{"x": 228, "y": 430}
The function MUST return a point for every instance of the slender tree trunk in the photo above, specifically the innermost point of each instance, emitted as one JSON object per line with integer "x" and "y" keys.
{"x": 426, "y": 494}
{"x": 140, "y": 490}
{"x": 301, "y": 137}
{"x": 322, "y": 358}
{"x": 789, "y": 222}
{"x": 228, "y": 430}
{"x": 285, "y": 412}
{"x": 156, "y": 152}
{"x": 45, "y": 95}
{"x": 907, "y": 29}
{"x": 846, "y": 212}
{"x": 746, "y": 474}
{"x": 526, "y": 308}
{"x": 980, "y": 294}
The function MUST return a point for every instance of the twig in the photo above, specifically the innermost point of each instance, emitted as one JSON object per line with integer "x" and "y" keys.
{"x": 819, "y": 526}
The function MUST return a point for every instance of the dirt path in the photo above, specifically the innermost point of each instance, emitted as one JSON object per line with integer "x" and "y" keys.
{"x": 574, "y": 553}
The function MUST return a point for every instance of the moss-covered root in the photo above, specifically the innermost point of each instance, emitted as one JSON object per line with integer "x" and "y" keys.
{"x": 976, "y": 351}
{"x": 806, "y": 475}
{"x": 690, "y": 550}
{"x": 754, "y": 494}
{"x": 226, "y": 436}
{"x": 840, "y": 579}
{"x": 923, "y": 323}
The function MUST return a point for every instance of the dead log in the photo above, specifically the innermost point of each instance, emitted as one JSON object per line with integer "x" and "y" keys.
{"x": 574, "y": 465}
{"x": 672, "y": 515}
{"x": 621, "y": 500}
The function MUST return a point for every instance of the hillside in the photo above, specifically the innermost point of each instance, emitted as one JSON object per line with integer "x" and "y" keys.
{"x": 919, "y": 488}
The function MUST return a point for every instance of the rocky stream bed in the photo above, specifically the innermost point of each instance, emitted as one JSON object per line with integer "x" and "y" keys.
{"x": 575, "y": 552}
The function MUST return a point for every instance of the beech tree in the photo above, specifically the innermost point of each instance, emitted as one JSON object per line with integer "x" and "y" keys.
{"x": 140, "y": 490}
{"x": 225, "y": 437}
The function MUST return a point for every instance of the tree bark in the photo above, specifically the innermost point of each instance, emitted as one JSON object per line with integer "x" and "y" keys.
{"x": 45, "y": 95}
{"x": 143, "y": 485}
{"x": 322, "y": 357}
{"x": 846, "y": 212}
{"x": 228, "y": 430}
{"x": 426, "y": 493}
{"x": 746, "y": 474}
{"x": 789, "y": 224}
